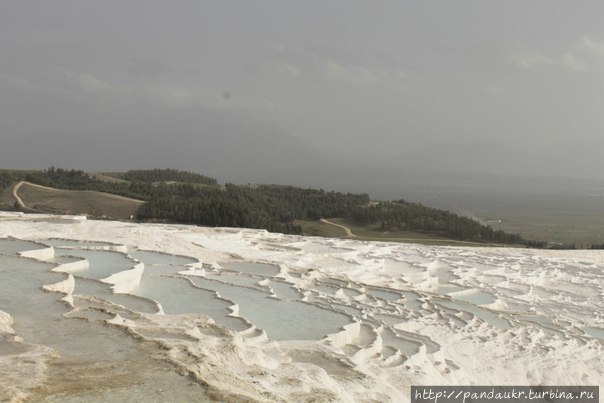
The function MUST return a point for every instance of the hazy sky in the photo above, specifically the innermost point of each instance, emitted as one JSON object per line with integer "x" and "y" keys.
{"x": 345, "y": 76}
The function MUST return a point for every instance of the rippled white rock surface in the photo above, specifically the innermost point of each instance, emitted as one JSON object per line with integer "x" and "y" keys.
{"x": 91, "y": 310}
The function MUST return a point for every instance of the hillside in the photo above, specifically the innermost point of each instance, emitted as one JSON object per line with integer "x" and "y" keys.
{"x": 185, "y": 197}
{"x": 38, "y": 198}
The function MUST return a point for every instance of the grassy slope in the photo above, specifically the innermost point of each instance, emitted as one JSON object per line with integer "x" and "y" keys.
{"x": 317, "y": 228}
{"x": 87, "y": 202}
{"x": 107, "y": 178}
{"x": 6, "y": 199}
{"x": 110, "y": 176}
{"x": 373, "y": 233}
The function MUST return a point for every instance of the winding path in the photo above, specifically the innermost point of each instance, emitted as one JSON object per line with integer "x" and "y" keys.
{"x": 19, "y": 200}
{"x": 21, "y": 203}
{"x": 348, "y": 231}
{"x": 16, "y": 195}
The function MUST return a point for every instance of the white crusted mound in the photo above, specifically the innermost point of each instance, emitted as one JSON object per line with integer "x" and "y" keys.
{"x": 65, "y": 287}
{"x": 127, "y": 280}
{"x": 40, "y": 254}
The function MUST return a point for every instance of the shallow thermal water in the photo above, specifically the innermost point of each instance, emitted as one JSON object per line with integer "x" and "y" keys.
{"x": 14, "y": 246}
{"x": 235, "y": 278}
{"x": 102, "y": 263}
{"x": 201, "y": 319}
{"x": 157, "y": 258}
{"x": 284, "y": 290}
{"x": 259, "y": 269}
{"x": 70, "y": 243}
{"x": 95, "y": 288}
{"x": 282, "y": 320}
{"x": 597, "y": 333}
{"x": 80, "y": 349}
{"x": 177, "y": 296}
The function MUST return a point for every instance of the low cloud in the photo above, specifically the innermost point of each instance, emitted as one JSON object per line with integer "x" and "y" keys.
{"x": 297, "y": 64}
{"x": 592, "y": 46}
{"x": 531, "y": 60}
{"x": 583, "y": 56}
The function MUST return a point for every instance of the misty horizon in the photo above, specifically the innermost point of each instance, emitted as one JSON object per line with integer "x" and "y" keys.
{"x": 352, "y": 84}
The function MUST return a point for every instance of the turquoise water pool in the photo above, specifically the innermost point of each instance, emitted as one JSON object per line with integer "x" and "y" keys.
{"x": 281, "y": 319}
{"x": 14, "y": 246}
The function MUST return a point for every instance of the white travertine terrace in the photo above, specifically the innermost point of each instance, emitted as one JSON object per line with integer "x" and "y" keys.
{"x": 40, "y": 254}
{"x": 411, "y": 314}
{"x": 127, "y": 280}
{"x": 73, "y": 267}
{"x": 66, "y": 287}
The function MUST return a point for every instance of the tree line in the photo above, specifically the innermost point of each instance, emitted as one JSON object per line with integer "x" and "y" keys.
{"x": 265, "y": 206}
{"x": 167, "y": 175}
{"x": 404, "y": 215}
{"x": 186, "y": 197}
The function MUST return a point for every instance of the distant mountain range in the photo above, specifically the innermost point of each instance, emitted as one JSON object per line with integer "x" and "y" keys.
{"x": 241, "y": 151}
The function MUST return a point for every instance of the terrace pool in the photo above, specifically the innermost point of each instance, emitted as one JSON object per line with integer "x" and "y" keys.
{"x": 280, "y": 319}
